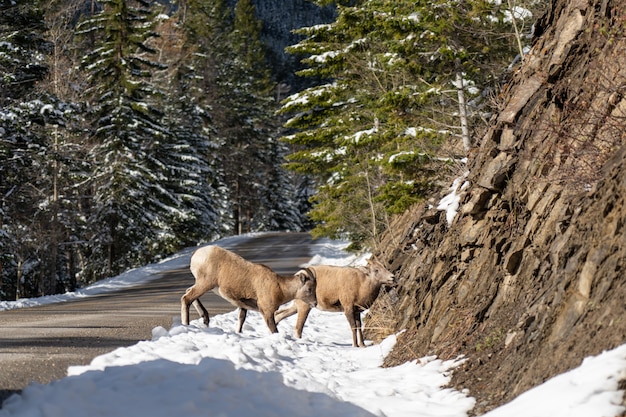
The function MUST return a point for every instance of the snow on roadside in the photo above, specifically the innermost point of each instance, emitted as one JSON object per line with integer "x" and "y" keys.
{"x": 129, "y": 278}
{"x": 318, "y": 375}
{"x": 197, "y": 371}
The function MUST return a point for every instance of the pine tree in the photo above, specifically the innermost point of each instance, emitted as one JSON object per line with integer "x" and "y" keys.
{"x": 189, "y": 158}
{"x": 67, "y": 165}
{"x": 129, "y": 215}
{"x": 345, "y": 125}
{"x": 30, "y": 176}
{"x": 372, "y": 133}
{"x": 246, "y": 123}
{"x": 206, "y": 24}
{"x": 278, "y": 208}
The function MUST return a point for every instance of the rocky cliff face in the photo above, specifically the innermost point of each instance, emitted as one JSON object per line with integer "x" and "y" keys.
{"x": 531, "y": 275}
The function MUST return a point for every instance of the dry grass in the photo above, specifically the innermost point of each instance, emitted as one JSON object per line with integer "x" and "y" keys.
{"x": 381, "y": 320}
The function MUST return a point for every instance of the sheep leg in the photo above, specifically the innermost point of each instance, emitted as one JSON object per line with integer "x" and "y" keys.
{"x": 184, "y": 308}
{"x": 285, "y": 312}
{"x": 242, "y": 318}
{"x": 303, "y": 312}
{"x": 268, "y": 315}
{"x": 192, "y": 296}
{"x": 351, "y": 313}
{"x": 201, "y": 311}
{"x": 359, "y": 327}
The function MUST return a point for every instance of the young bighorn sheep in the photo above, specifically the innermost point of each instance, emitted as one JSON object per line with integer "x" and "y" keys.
{"x": 346, "y": 289}
{"x": 244, "y": 284}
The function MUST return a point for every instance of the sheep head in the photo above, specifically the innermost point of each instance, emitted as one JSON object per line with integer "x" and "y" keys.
{"x": 376, "y": 271}
{"x": 306, "y": 293}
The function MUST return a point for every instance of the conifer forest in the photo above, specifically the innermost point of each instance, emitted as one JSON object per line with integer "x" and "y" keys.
{"x": 131, "y": 129}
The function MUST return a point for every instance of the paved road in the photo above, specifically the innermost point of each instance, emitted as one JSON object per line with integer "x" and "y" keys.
{"x": 38, "y": 344}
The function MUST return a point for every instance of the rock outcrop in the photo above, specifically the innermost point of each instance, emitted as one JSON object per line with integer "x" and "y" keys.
{"x": 530, "y": 277}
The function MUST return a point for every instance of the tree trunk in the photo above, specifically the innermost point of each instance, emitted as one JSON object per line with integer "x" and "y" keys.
{"x": 18, "y": 283}
{"x": 518, "y": 36}
{"x": 460, "y": 88}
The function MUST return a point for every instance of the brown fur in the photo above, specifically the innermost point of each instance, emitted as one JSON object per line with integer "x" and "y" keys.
{"x": 346, "y": 289}
{"x": 244, "y": 284}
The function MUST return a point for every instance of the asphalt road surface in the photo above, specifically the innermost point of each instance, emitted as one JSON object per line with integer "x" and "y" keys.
{"x": 38, "y": 344}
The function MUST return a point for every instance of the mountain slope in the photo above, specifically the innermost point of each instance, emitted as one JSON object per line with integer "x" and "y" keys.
{"x": 280, "y": 18}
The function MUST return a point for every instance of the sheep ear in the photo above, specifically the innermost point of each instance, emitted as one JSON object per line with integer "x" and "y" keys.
{"x": 373, "y": 260}
{"x": 305, "y": 275}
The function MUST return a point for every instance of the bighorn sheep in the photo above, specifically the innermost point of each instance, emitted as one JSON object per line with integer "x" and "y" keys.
{"x": 244, "y": 284}
{"x": 346, "y": 289}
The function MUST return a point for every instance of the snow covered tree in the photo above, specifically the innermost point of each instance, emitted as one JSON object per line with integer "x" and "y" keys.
{"x": 67, "y": 164}
{"x": 345, "y": 126}
{"x": 465, "y": 44}
{"x": 244, "y": 116}
{"x": 190, "y": 158}
{"x": 132, "y": 207}
{"x": 279, "y": 207}
{"x": 398, "y": 77}
{"x": 23, "y": 47}
{"x": 37, "y": 159}
{"x": 206, "y": 24}
{"x": 21, "y": 66}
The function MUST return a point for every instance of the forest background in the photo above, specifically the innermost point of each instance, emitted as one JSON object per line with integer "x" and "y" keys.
{"x": 130, "y": 129}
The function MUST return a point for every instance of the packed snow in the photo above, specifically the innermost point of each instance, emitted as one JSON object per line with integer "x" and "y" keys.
{"x": 198, "y": 371}
{"x": 450, "y": 202}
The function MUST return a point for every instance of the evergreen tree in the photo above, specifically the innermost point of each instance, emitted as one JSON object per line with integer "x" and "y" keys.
{"x": 278, "y": 208}
{"x": 246, "y": 123}
{"x": 30, "y": 156}
{"x": 206, "y": 24}
{"x": 372, "y": 134}
{"x": 189, "y": 159}
{"x": 68, "y": 168}
{"x": 23, "y": 47}
{"x": 131, "y": 207}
